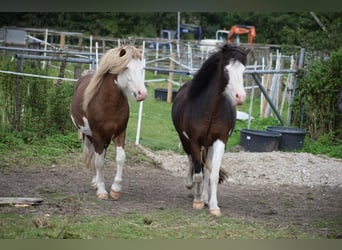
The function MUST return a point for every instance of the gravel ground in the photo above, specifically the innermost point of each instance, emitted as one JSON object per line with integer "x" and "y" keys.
{"x": 271, "y": 168}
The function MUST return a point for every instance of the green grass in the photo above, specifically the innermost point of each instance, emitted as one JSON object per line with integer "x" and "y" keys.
{"x": 169, "y": 224}
{"x": 157, "y": 131}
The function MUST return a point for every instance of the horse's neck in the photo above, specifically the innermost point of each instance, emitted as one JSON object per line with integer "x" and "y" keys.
{"x": 209, "y": 101}
{"x": 110, "y": 87}
{"x": 213, "y": 92}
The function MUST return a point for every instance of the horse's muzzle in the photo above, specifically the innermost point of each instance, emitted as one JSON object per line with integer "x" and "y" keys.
{"x": 140, "y": 95}
{"x": 240, "y": 97}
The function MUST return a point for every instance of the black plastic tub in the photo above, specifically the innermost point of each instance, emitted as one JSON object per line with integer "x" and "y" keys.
{"x": 291, "y": 138}
{"x": 259, "y": 140}
{"x": 161, "y": 94}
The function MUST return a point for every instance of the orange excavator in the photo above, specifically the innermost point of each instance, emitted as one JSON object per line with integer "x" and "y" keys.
{"x": 242, "y": 29}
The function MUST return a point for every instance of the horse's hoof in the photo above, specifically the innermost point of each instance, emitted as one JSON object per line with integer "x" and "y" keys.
{"x": 215, "y": 212}
{"x": 115, "y": 195}
{"x": 198, "y": 204}
{"x": 102, "y": 196}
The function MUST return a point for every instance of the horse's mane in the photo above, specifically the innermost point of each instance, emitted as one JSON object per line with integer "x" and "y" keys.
{"x": 208, "y": 69}
{"x": 114, "y": 61}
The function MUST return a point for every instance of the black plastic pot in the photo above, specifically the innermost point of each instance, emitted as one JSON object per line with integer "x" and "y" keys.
{"x": 291, "y": 138}
{"x": 161, "y": 94}
{"x": 259, "y": 140}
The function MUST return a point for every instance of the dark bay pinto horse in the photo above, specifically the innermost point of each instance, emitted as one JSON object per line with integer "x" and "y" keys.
{"x": 204, "y": 115}
{"x": 100, "y": 110}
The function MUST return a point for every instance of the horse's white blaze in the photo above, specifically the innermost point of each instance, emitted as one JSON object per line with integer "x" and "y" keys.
{"x": 216, "y": 160}
{"x": 235, "y": 87}
{"x": 120, "y": 161}
{"x": 131, "y": 81}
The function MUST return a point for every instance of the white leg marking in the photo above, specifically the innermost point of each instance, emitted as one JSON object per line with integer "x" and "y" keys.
{"x": 120, "y": 161}
{"x": 207, "y": 171}
{"x": 189, "y": 181}
{"x": 198, "y": 182}
{"x": 99, "y": 166}
{"x": 218, "y": 151}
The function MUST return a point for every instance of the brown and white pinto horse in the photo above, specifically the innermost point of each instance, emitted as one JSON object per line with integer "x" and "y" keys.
{"x": 100, "y": 110}
{"x": 204, "y": 115}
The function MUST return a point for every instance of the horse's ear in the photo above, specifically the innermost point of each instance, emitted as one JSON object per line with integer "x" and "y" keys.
{"x": 247, "y": 50}
{"x": 122, "y": 52}
{"x": 226, "y": 46}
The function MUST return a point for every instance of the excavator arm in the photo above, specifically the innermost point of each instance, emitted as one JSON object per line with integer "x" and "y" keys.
{"x": 242, "y": 29}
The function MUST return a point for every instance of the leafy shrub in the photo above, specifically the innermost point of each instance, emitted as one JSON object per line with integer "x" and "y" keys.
{"x": 316, "y": 102}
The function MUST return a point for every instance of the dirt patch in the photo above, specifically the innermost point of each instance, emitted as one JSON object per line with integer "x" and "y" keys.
{"x": 278, "y": 187}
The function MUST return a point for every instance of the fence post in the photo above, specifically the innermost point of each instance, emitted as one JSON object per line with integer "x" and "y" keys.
{"x": 62, "y": 41}
{"x": 169, "y": 85}
{"x": 294, "y": 85}
{"x": 137, "y": 138}
{"x": 17, "y": 96}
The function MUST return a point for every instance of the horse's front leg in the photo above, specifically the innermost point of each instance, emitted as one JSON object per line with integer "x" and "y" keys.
{"x": 99, "y": 178}
{"x": 197, "y": 177}
{"x": 217, "y": 154}
{"x": 120, "y": 162}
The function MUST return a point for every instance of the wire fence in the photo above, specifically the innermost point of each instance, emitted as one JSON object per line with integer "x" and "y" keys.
{"x": 182, "y": 59}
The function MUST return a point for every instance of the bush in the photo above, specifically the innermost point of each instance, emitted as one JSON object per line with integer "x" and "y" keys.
{"x": 33, "y": 106}
{"x": 316, "y": 102}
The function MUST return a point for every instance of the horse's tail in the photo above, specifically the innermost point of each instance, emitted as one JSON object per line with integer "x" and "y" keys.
{"x": 223, "y": 174}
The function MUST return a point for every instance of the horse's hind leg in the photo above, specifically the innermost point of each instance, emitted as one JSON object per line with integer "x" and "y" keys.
{"x": 197, "y": 177}
{"x": 207, "y": 171}
{"x": 189, "y": 183}
{"x": 88, "y": 158}
{"x": 120, "y": 162}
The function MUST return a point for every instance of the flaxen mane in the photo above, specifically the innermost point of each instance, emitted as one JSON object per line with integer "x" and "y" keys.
{"x": 114, "y": 61}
